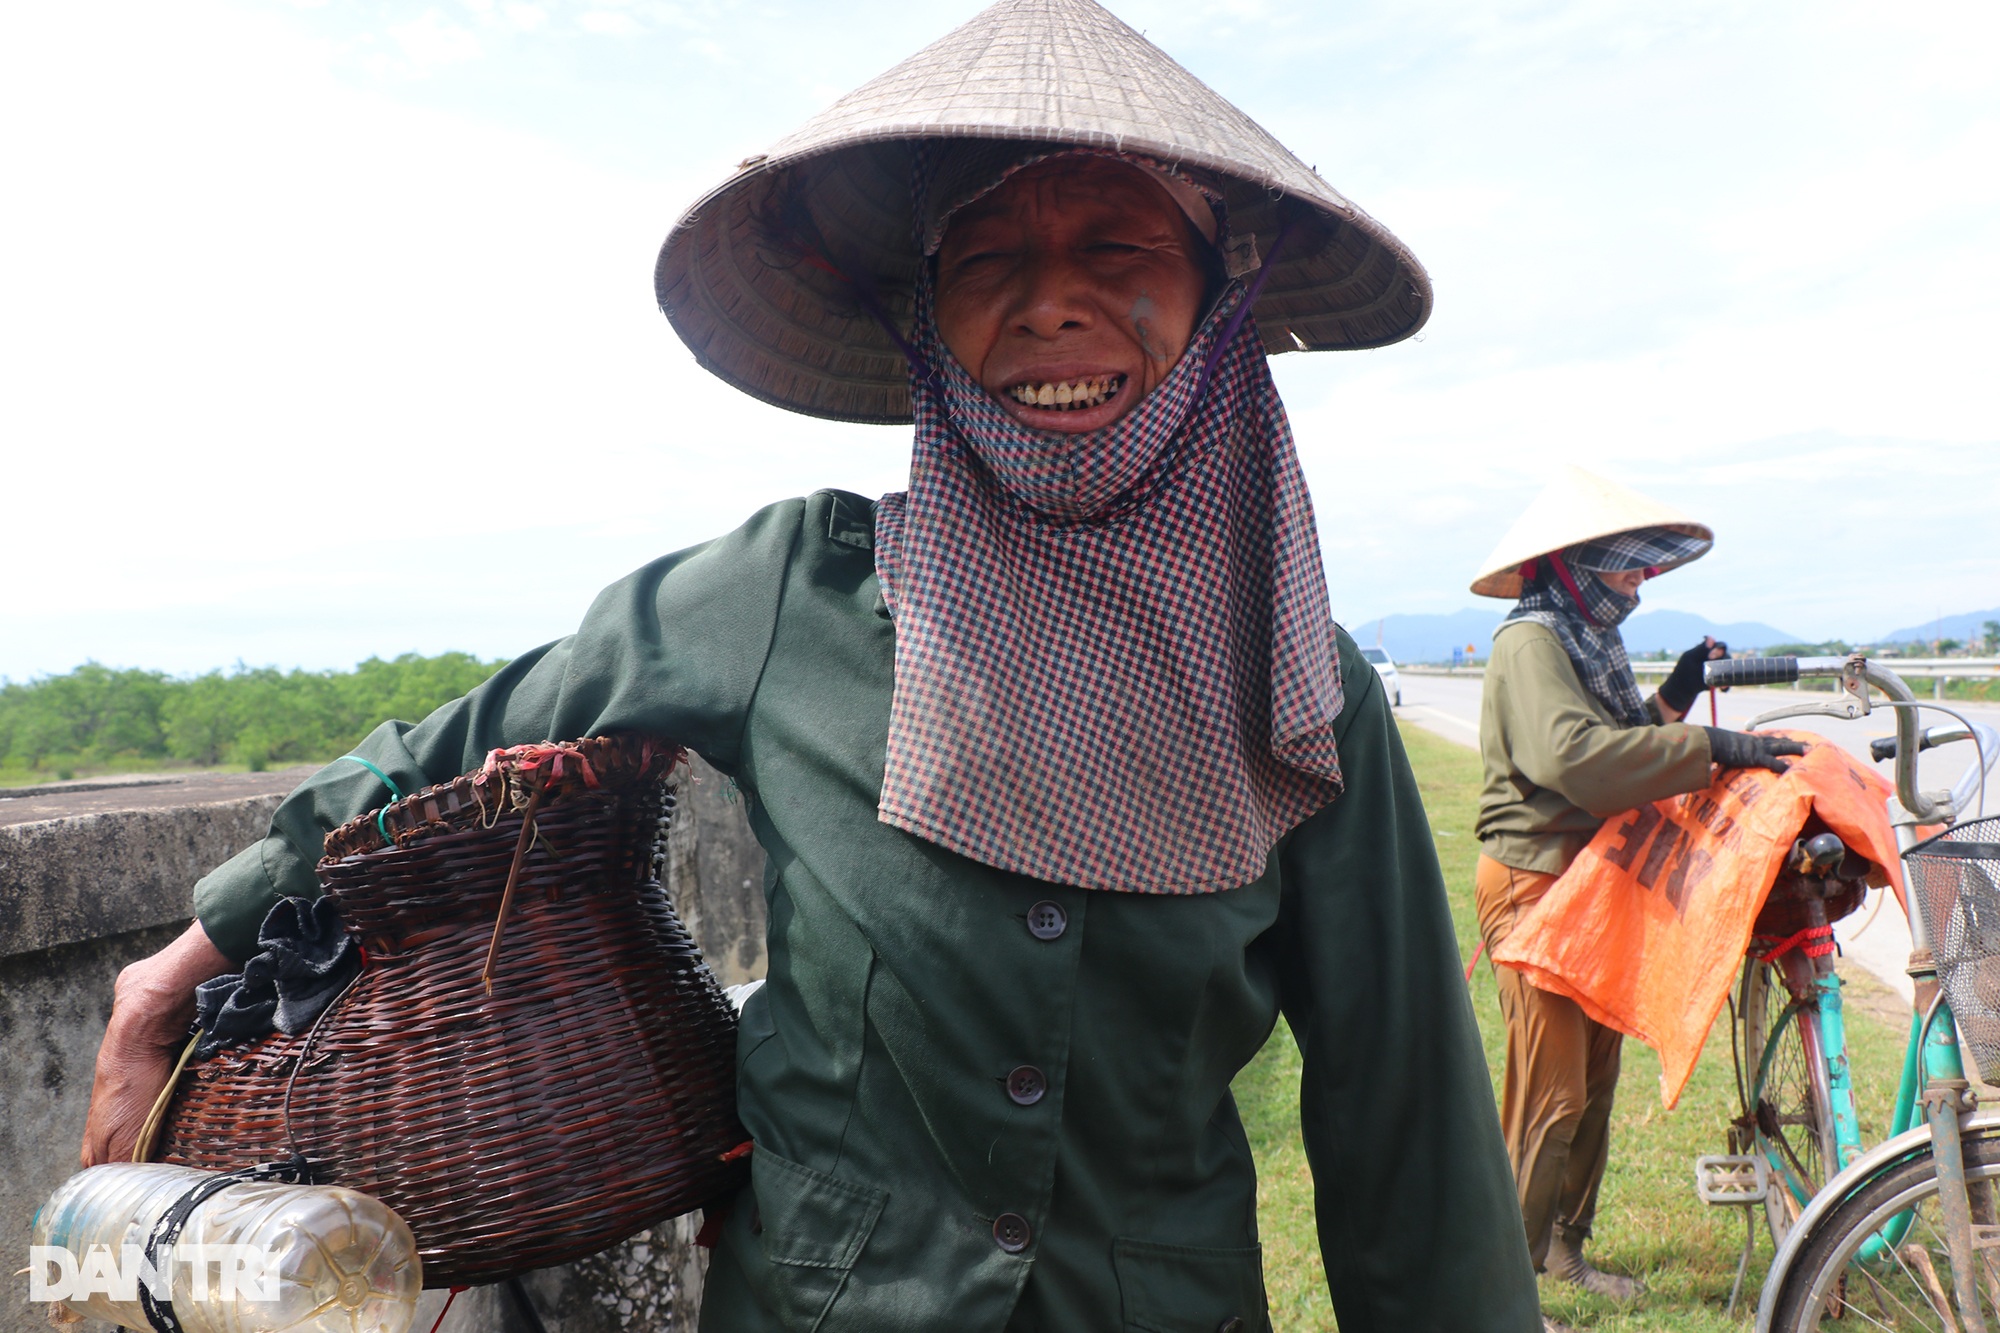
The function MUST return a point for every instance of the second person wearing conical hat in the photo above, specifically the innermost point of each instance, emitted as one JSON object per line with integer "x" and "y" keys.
{"x": 1568, "y": 740}
{"x": 1070, "y": 785}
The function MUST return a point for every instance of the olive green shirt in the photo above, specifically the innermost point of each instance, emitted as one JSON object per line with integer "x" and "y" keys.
{"x": 906, "y": 986}
{"x": 1558, "y": 764}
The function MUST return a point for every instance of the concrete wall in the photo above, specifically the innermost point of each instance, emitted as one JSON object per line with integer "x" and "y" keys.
{"x": 96, "y": 875}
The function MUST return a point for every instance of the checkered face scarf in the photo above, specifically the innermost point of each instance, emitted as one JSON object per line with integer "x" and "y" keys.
{"x": 1641, "y": 548}
{"x": 1115, "y": 663}
{"x": 1588, "y": 629}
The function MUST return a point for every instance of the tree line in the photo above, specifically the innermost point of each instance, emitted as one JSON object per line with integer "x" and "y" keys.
{"x": 253, "y": 715}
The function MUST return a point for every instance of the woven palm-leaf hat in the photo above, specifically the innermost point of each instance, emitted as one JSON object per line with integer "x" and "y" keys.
{"x": 1578, "y": 507}
{"x": 792, "y": 331}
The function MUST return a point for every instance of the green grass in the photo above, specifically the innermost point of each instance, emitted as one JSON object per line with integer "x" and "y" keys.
{"x": 1649, "y": 1220}
{"x": 63, "y": 768}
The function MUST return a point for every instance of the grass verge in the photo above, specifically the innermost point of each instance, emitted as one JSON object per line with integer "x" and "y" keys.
{"x": 17, "y": 776}
{"x": 1649, "y": 1220}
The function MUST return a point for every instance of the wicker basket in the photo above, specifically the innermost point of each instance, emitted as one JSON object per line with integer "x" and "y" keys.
{"x": 589, "y": 1096}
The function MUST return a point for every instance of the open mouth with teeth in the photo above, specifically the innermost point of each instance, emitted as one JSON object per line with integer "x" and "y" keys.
{"x": 1068, "y": 395}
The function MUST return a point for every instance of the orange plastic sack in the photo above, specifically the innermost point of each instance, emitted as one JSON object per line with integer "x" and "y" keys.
{"x": 1646, "y": 929}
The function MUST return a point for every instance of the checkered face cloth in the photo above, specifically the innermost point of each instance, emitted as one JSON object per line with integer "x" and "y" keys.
{"x": 1641, "y": 548}
{"x": 1595, "y": 647}
{"x": 1115, "y": 663}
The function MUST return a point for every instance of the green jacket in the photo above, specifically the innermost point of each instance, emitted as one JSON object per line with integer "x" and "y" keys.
{"x": 906, "y": 987}
{"x": 1557, "y": 763}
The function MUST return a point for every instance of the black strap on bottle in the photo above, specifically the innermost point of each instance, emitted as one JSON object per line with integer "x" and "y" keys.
{"x": 167, "y": 1231}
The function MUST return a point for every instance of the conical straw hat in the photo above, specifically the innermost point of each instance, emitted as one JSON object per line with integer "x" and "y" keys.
{"x": 1044, "y": 71}
{"x": 1578, "y": 506}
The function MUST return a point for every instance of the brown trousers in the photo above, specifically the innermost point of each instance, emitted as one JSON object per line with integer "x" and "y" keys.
{"x": 1562, "y": 1067}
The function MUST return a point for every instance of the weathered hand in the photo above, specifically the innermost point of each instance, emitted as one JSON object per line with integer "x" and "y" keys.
{"x": 151, "y": 1006}
{"x": 1747, "y": 749}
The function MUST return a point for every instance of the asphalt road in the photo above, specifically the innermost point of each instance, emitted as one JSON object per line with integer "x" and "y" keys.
{"x": 1449, "y": 706}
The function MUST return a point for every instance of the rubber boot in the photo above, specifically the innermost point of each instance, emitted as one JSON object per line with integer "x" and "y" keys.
{"x": 1566, "y": 1263}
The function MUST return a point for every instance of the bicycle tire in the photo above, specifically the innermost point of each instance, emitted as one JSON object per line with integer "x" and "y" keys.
{"x": 1792, "y": 1120}
{"x": 1824, "y": 1283}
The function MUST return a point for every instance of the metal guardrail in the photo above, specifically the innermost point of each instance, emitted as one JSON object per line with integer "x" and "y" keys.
{"x": 1935, "y": 669}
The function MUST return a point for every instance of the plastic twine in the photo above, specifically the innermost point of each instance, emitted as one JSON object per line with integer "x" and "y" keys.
{"x": 382, "y": 815}
{"x": 149, "y": 1130}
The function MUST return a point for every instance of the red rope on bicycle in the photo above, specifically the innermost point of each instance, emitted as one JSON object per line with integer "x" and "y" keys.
{"x": 1813, "y": 942}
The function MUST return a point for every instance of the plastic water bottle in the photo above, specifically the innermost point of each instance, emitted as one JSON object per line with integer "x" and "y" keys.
{"x": 273, "y": 1257}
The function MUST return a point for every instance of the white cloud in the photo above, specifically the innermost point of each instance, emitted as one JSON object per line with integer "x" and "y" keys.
{"x": 432, "y": 39}
{"x": 607, "y": 23}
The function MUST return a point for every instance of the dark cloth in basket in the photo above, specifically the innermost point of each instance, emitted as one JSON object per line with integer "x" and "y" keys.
{"x": 304, "y": 960}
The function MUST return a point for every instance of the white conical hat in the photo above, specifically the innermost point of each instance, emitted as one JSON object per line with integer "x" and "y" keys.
{"x": 1579, "y": 506}
{"x": 1063, "y": 72}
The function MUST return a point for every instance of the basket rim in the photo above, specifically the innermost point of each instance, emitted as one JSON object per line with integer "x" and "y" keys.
{"x": 497, "y": 788}
{"x": 1933, "y": 847}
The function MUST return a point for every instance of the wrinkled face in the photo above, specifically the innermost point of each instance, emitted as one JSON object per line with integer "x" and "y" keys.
{"x": 1626, "y": 582}
{"x": 1070, "y": 291}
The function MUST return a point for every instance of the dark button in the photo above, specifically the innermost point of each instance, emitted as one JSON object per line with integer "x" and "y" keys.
{"x": 1230, "y": 1325}
{"x": 1047, "y": 920}
{"x": 1026, "y": 1085}
{"x": 1011, "y": 1232}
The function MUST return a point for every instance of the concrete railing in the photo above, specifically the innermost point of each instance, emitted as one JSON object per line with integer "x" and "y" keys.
{"x": 94, "y": 875}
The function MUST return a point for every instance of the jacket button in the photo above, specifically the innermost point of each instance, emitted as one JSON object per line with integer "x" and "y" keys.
{"x": 1011, "y": 1232}
{"x": 1047, "y": 920}
{"x": 1026, "y": 1085}
{"x": 1233, "y": 1324}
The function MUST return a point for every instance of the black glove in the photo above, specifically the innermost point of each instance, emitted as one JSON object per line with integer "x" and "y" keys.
{"x": 1746, "y": 749}
{"x": 1680, "y": 689}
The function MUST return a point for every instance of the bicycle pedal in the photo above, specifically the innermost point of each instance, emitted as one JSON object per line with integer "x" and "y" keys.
{"x": 1731, "y": 1182}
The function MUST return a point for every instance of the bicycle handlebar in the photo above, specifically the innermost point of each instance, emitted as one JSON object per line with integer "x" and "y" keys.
{"x": 1783, "y": 670}
{"x": 1884, "y": 747}
{"x": 1750, "y": 671}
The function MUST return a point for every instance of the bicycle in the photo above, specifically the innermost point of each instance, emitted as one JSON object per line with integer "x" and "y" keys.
{"x": 1904, "y": 1235}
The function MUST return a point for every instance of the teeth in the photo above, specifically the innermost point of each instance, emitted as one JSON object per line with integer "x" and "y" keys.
{"x": 1068, "y": 395}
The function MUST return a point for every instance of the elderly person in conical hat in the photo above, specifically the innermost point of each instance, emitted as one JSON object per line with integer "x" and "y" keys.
{"x": 1567, "y": 742}
{"x": 1069, "y": 783}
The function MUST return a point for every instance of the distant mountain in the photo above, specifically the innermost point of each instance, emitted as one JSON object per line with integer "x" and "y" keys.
{"x": 1968, "y": 627}
{"x": 1672, "y": 631}
{"x": 1431, "y": 638}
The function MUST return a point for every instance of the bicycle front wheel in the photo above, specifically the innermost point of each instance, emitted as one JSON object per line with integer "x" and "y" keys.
{"x": 1785, "y": 1097}
{"x": 1907, "y": 1286}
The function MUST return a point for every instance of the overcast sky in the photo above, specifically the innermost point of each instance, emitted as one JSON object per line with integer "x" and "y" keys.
{"x": 329, "y": 330}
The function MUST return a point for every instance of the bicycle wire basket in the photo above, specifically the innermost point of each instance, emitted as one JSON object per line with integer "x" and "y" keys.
{"x": 590, "y": 1095}
{"x": 1955, "y": 878}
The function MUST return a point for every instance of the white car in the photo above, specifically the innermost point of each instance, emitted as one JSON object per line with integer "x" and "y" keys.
{"x": 1385, "y": 667}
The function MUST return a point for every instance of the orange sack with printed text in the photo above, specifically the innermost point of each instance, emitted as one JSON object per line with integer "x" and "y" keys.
{"x": 1646, "y": 929}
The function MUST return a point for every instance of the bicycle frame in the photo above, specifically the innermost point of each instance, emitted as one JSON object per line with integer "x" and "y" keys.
{"x": 1825, "y": 1046}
